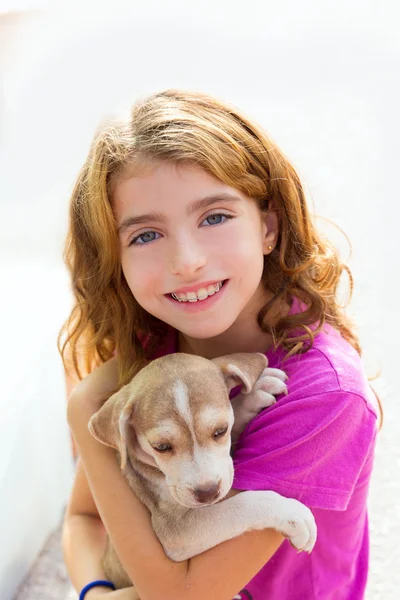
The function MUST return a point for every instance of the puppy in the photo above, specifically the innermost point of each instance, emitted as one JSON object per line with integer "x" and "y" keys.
{"x": 172, "y": 426}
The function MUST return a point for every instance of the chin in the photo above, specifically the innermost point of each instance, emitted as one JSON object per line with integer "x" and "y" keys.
{"x": 205, "y": 331}
{"x": 202, "y": 334}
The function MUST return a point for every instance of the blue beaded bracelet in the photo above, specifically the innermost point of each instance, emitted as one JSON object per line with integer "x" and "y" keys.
{"x": 92, "y": 584}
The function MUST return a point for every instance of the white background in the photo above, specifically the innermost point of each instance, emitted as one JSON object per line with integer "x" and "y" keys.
{"x": 321, "y": 77}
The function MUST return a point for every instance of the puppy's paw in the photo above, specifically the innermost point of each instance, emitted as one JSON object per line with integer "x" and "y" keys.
{"x": 270, "y": 384}
{"x": 298, "y": 525}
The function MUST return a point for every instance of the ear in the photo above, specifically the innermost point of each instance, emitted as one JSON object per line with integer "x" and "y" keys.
{"x": 242, "y": 368}
{"x": 271, "y": 230}
{"x": 110, "y": 424}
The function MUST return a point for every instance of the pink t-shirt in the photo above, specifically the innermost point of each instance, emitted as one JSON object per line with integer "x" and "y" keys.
{"x": 316, "y": 445}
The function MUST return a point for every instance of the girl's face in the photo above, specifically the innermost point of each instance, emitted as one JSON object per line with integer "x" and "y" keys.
{"x": 184, "y": 232}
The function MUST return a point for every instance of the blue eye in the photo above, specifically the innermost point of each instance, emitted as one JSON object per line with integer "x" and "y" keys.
{"x": 143, "y": 238}
{"x": 150, "y": 236}
{"x": 217, "y": 218}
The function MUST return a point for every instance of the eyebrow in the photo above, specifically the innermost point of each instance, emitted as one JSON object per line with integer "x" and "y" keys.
{"x": 196, "y": 205}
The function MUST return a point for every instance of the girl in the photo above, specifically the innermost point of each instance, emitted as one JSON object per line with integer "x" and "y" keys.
{"x": 184, "y": 195}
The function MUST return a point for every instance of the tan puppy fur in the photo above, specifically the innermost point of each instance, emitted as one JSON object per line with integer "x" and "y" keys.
{"x": 172, "y": 426}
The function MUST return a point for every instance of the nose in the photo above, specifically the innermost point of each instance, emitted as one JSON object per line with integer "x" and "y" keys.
{"x": 187, "y": 258}
{"x": 207, "y": 493}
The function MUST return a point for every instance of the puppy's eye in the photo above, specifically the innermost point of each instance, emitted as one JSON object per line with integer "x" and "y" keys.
{"x": 162, "y": 447}
{"x": 220, "y": 432}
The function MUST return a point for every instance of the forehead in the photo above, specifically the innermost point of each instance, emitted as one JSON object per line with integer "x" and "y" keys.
{"x": 160, "y": 183}
{"x": 182, "y": 396}
{"x": 196, "y": 407}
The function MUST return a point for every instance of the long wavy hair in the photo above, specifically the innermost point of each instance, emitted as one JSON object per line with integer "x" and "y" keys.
{"x": 191, "y": 128}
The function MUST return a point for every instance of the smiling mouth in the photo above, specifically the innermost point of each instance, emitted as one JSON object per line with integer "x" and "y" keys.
{"x": 201, "y": 294}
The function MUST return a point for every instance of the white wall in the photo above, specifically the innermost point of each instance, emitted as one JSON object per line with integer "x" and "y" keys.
{"x": 36, "y": 467}
{"x": 322, "y": 78}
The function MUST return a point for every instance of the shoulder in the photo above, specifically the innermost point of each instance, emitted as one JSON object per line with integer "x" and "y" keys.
{"x": 313, "y": 443}
{"x": 331, "y": 368}
{"x": 329, "y": 403}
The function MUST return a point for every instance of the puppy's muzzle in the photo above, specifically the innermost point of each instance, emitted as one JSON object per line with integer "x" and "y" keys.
{"x": 208, "y": 492}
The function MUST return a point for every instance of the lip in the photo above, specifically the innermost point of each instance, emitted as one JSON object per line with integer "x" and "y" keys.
{"x": 200, "y": 305}
{"x": 195, "y": 288}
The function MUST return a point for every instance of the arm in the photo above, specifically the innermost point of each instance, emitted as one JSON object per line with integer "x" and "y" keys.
{"x": 83, "y": 541}
{"x": 221, "y": 571}
{"x": 83, "y": 535}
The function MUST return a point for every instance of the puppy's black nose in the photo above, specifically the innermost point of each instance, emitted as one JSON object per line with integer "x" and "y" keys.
{"x": 207, "y": 493}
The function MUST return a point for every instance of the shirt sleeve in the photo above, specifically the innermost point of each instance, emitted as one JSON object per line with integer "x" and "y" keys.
{"x": 312, "y": 449}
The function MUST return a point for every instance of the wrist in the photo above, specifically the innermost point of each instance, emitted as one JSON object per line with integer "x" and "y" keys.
{"x": 95, "y": 589}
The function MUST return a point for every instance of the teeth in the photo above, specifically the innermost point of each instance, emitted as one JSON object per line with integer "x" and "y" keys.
{"x": 191, "y": 296}
{"x": 201, "y": 294}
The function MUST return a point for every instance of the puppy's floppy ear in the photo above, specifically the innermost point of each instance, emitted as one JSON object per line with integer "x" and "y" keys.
{"x": 241, "y": 368}
{"x": 110, "y": 424}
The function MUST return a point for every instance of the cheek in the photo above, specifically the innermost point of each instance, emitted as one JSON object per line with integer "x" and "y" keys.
{"x": 245, "y": 243}
{"x": 247, "y": 260}
{"x": 249, "y": 248}
{"x": 140, "y": 276}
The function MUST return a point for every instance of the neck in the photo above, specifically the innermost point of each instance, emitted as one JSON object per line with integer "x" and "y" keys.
{"x": 244, "y": 335}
